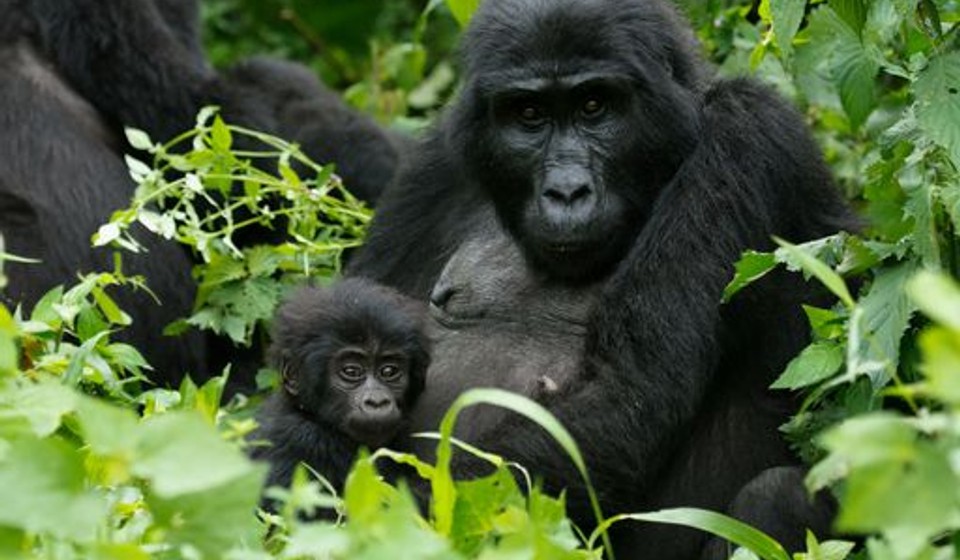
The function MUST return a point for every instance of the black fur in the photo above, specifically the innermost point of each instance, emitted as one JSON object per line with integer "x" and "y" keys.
{"x": 305, "y": 420}
{"x": 61, "y": 175}
{"x": 669, "y": 401}
{"x": 74, "y": 74}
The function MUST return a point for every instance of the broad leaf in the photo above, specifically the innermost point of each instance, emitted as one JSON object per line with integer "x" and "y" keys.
{"x": 819, "y": 361}
{"x": 937, "y": 91}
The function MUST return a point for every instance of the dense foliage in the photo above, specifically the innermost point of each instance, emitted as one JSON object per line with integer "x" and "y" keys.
{"x": 94, "y": 462}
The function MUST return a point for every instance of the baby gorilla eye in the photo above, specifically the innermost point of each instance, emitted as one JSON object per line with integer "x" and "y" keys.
{"x": 390, "y": 373}
{"x": 351, "y": 372}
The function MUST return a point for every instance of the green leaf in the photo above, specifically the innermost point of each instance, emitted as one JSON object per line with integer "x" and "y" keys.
{"x": 855, "y": 73}
{"x": 751, "y": 267}
{"x": 444, "y": 491}
{"x": 44, "y": 312}
{"x": 852, "y": 12}
{"x": 813, "y": 266}
{"x": 180, "y": 453}
{"x": 886, "y": 316}
{"x": 138, "y": 139}
{"x": 852, "y": 66}
{"x": 107, "y": 429}
{"x": 921, "y": 206}
{"x": 786, "y": 16}
{"x": 938, "y": 297}
{"x": 819, "y": 361}
{"x": 220, "y": 135}
{"x": 941, "y": 365}
{"x": 213, "y": 519}
{"x": 479, "y": 502}
{"x": 825, "y": 323}
{"x": 35, "y": 408}
{"x": 463, "y": 10}
{"x": 44, "y": 491}
{"x": 869, "y": 439}
{"x": 718, "y": 524}
{"x": 937, "y": 92}
{"x": 902, "y": 494}
{"x": 110, "y": 309}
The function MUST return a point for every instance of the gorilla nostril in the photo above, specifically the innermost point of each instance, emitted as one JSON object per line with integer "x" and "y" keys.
{"x": 579, "y": 194}
{"x": 441, "y": 295}
{"x": 567, "y": 195}
{"x": 376, "y": 403}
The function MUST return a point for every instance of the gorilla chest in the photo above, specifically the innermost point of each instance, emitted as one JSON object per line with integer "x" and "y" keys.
{"x": 495, "y": 322}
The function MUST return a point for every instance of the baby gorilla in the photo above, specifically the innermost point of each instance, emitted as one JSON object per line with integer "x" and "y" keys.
{"x": 353, "y": 358}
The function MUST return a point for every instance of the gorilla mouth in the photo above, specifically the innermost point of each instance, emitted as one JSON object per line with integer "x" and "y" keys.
{"x": 564, "y": 248}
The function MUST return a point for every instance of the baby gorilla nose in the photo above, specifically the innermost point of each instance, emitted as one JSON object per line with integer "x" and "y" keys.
{"x": 377, "y": 402}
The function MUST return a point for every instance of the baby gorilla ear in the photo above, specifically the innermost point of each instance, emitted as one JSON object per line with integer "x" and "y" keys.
{"x": 291, "y": 381}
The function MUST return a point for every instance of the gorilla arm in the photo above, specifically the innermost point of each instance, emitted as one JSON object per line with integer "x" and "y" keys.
{"x": 127, "y": 60}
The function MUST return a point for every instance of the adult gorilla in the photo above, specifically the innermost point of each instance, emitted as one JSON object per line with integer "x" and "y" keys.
{"x": 628, "y": 177}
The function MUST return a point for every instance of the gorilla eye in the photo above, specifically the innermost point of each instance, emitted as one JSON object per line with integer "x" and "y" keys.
{"x": 593, "y": 107}
{"x": 390, "y": 373}
{"x": 531, "y": 115}
{"x": 351, "y": 372}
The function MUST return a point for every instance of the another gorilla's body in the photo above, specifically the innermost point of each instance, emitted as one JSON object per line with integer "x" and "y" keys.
{"x": 74, "y": 74}
{"x": 624, "y": 178}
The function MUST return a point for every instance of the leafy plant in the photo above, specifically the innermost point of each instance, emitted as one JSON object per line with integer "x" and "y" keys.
{"x": 206, "y": 192}
{"x": 880, "y": 82}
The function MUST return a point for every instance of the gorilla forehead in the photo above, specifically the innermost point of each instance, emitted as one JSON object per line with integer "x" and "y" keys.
{"x": 548, "y": 38}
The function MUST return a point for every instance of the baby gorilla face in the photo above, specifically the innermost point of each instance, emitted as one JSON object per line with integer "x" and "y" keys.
{"x": 371, "y": 385}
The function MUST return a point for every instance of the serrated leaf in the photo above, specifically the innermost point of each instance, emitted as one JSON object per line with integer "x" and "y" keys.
{"x": 937, "y": 92}
{"x": 817, "y": 362}
{"x": 886, "y": 315}
{"x": 813, "y": 266}
{"x": 920, "y": 205}
{"x": 751, "y": 267}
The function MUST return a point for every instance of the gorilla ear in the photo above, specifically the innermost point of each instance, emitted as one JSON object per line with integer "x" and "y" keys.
{"x": 291, "y": 382}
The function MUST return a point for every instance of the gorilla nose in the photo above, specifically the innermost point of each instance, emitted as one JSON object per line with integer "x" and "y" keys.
{"x": 377, "y": 402}
{"x": 567, "y": 194}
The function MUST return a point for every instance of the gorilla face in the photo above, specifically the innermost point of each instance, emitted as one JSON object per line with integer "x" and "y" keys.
{"x": 573, "y": 142}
